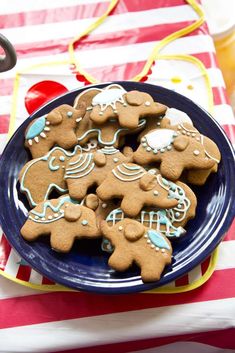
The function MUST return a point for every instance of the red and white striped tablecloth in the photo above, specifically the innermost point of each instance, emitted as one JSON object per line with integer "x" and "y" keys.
{"x": 199, "y": 321}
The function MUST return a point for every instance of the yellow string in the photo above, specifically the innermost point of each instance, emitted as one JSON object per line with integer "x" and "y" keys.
{"x": 155, "y": 51}
{"x": 87, "y": 31}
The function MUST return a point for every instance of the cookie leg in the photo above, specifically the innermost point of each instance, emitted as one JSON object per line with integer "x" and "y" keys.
{"x": 120, "y": 260}
{"x": 131, "y": 207}
{"x": 60, "y": 241}
{"x": 77, "y": 190}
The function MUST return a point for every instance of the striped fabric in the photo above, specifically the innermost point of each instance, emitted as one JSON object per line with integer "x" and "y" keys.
{"x": 31, "y": 321}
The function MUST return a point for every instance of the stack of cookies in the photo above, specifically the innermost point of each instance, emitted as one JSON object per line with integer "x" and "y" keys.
{"x": 118, "y": 164}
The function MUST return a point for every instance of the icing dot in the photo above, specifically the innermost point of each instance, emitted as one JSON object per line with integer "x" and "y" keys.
{"x": 69, "y": 114}
{"x": 148, "y": 241}
{"x": 143, "y": 139}
{"x": 198, "y": 138}
{"x": 115, "y": 160}
{"x": 66, "y": 205}
{"x": 36, "y": 139}
{"x": 181, "y": 193}
{"x": 196, "y": 152}
{"x": 158, "y": 124}
{"x": 155, "y": 193}
{"x": 163, "y": 250}
{"x": 188, "y": 133}
{"x": 155, "y": 151}
{"x": 104, "y": 205}
{"x": 184, "y": 132}
{"x": 179, "y": 206}
{"x": 177, "y": 214}
{"x": 56, "y": 215}
{"x": 193, "y": 134}
{"x": 157, "y": 249}
{"x": 47, "y": 123}
{"x": 43, "y": 218}
{"x": 144, "y": 144}
{"x": 115, "y": 111}
{"x": 30, "y": 142}
{"x": 147, "y": 103}
{"x": 162, "y": 150}
{"x": 62, "y": 158}
{"x": 101, "y": 113}
{"x": 190, "y": 87}
{"x": 50, "y": 217}
{"x": 36, "y": 217}
{"x": 120, "y": 228}
{"x": 148, "y": 149}
{"x": 84, "y": 222}
{"x": 124, "y": 105}
{"x": 169, "y": 147}
{"x": 152, "y": 246}
{"x": 63, "y": 167}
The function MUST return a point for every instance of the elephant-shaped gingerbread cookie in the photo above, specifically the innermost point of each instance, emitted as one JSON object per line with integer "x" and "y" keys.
{"x": 137, "y": 188}
{"x": 126, "y": 107}
{"x": 40, "y": 176}
{"x": 90, "y": 169}
{"x": 108, "y": 134}
{"x": 63, "y": 220}
{"x": 134, "y": 243}
{"x": 56, "y": 128}
{"x": 177, "y": 149}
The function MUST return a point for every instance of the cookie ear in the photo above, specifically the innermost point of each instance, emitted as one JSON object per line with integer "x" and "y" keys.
{"x": 72, "y": 212}
{"x": 181, "y": 143}
{"x": 99, "y": 159}
{"x": 92, "y": 201}
{"x": 147, "y": 182}
{"x": 134, "y": 230}
{"x": 134, "y": 98}
{"x": 55, "y": 117}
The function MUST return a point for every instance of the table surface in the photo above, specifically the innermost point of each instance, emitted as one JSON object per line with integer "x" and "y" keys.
{"x": 201, "y": 320}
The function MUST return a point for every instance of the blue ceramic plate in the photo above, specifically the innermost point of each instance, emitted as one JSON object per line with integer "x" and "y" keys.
{"x": 85, "y": 267}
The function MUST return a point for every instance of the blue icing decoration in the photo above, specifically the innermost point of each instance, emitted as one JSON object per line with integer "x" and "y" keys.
{"x": 53, "y": 208}
{"x": 84, "y": 222}
{"x": 51, "y": 166}
{"x": 36, "y": 128}
{"x": 157, "y": 239}
{"x": 62, "y": 158}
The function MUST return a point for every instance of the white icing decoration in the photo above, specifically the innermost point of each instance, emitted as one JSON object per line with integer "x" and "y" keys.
{"x": 158, "y": 139}
{"x": 109, "y": 98}
{"x": 46, "y": 128}
{"x": 177, "y": 116}
{"x": 125, "y": 172}
{"x": 36, "y": 139}
{"x": 147, "y": 103}
{"x": 30, "y": 142}
{"x": 196, "y": 152}
{"x": 43, "y": 135}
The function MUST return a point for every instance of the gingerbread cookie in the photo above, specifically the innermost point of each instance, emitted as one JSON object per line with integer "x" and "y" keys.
{"x": 177, "y": 149}
{"x": 108, "y": 134}
{"x": 126, "y": 107}
{"x": 134, "y": 243}
{"x": 63, "y": 220}
{"x": 40, "y": 176}
{"x": 90, "y": 169}
{"x": 137, "y": 188}
{"x": 56, "y": 128}
{"x": 101, "y": 208}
